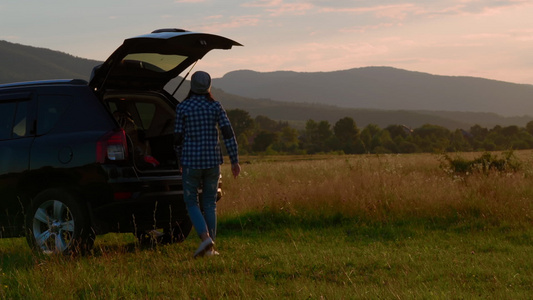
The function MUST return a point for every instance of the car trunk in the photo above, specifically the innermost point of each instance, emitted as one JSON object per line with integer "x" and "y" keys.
{"x": 131, "y": 84}
{"x": 148, "y": 120}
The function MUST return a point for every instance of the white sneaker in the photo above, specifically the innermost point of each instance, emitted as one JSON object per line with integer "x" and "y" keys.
{"x": 211, "y": 252}
{"x": 204, "y": 246}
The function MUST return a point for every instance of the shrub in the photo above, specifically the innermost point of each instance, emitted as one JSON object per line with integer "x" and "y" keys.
{"x": 485, "y": 163}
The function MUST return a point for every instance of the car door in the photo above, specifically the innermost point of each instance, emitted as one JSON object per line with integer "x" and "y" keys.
{"x": 149, "y": 62}
{"x": 16, "y": 138}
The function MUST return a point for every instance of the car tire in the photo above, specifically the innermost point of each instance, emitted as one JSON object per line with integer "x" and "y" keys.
{"x": 57, "y": 224}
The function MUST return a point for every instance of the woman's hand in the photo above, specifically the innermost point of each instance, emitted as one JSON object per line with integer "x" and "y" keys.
{"x": 235, "y": 169}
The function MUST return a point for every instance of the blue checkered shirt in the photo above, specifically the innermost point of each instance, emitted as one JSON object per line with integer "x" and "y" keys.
{"x": 196, "y": 121}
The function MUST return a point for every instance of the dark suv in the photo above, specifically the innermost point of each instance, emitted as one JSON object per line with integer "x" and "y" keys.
{"x": 79, "y": 159}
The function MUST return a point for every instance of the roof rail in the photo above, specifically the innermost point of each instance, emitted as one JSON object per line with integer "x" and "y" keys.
{"x": 45, "y": 82}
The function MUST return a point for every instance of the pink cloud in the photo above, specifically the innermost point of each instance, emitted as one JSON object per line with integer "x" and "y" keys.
{"x": 365, "y": 28}
{"x": 263, "y": 3}
{"x": 291, "y": 8}
{"x": 431, "y": 10}
{"x": 522, "y": 35}
{"x": 479, "y": 36}
{"x": 399, "y": 11}
{"x": 214, "y": 17}
{"x": 481, "y": 8}
{"x": 243, "y": 21}
{"x": 9, "y": 37}
{"x": 189, "y": 1}
{"x": 310, "y": 57}
{"x": 279, "y": 7}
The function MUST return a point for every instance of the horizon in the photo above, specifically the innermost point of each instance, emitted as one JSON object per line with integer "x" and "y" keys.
{"x": 485, "y": 39}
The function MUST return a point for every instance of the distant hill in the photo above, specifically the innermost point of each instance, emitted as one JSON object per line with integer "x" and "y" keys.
{"x": 25, "y": 63}
{"x": 306, "y": 96}
{"x": 384, "y": 88}
{"x": 298, "y": 113}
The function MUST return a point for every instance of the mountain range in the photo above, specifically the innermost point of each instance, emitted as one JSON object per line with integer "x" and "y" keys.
{"x": 383, "y": 88}
{"x": 25, "y": 63}
{"x": 371, "y": 95}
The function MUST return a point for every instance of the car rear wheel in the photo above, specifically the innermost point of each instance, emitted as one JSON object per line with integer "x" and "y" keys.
{"x": 56, "y": 224}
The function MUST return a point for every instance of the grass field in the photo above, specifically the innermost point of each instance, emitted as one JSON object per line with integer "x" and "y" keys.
{"x": 334, "y": 227}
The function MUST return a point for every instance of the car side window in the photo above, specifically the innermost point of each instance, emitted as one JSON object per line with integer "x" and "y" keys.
{"x": 20, "y": 127}
{"x": 7, "y": 115}
{"x": 49, "y": 110}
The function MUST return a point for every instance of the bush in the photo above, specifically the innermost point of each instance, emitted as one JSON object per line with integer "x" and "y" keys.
{"x": 484, "y": 164}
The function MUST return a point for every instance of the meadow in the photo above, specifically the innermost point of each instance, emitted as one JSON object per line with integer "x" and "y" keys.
{"x": 320, "y": 227}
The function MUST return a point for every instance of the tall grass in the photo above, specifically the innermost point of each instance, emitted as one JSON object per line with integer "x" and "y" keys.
{"x": 381, "y": 188}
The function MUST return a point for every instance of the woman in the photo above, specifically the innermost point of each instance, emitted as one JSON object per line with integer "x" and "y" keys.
{"x": 200, "y": 157}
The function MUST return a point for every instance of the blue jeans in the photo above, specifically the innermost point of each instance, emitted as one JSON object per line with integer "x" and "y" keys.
{"x": 207, "y": 179}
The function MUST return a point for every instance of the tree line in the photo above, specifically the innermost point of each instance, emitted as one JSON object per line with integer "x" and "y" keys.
{"x": 262, "y": 135}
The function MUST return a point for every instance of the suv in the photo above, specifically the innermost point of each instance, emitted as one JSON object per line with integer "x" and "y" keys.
{"x": 79, "y": 159}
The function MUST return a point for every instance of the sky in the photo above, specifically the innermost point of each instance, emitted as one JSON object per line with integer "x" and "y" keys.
{"x": 481, "y": 38}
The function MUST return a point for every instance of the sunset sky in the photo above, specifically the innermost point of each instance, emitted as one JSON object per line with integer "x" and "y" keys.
{"x": 481, "y": 38}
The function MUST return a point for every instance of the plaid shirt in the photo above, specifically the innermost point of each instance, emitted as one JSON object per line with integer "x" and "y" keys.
{"x": 196, "y": 120}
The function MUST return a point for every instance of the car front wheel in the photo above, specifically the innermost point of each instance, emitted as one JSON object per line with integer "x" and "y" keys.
{"x": 56, "y": 223}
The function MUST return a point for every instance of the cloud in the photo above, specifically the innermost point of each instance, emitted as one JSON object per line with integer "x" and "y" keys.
{"x": 365, "y": 28}
{"x": 189, "y": 1}
{"x": 279, "y": 7}
{"x": 214, "y": 17}
{"x": 237, "y": 22}
{"x": 522, "y": 35}
{"x": 482, "y": 36}
{"x": 394, "y": 11}
{"x": 263, "y": 3}
{"x": 9, "y": 37}
{"x": 332, "y": 50}
{"x": 314, "y": 57}
{"x": 429, "y": 9}
{"x": 291, "y": 8}
{"x": 480, "y": 7}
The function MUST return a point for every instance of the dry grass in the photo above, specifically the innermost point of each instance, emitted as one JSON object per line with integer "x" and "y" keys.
{"x": 380, "y": 188}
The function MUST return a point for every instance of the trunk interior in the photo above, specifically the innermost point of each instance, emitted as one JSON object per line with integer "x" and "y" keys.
{"x": 148, "y": 120}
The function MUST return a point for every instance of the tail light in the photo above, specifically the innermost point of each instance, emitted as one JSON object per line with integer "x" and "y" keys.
{"x": 112, "y": 147}
{"x": 122, "y": 195}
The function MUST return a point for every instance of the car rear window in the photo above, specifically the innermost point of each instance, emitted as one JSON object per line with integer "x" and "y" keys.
{"x": 156, "y": 62}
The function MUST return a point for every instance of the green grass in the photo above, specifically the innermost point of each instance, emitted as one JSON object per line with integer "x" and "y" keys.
{"x": 363, "y": 227}
{"x": 333, "y": 258}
